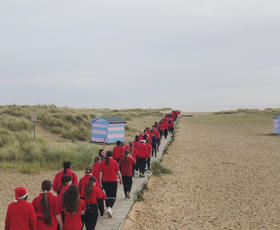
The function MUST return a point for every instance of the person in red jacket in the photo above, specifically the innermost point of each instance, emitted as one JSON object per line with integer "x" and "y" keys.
{"x": 126, "y": 165}
{"x": 66, "y": 181}
{"x": 171, "y": 126}
{"x": 148, "y": 155}
{"x": 109, "y": 170}
{"x": 82, "y": 183}
{"x": 134, "y": 153}
{"x": 73, "y": 208}
{"x": 65, "y": 171}
{"x": 20, "y": 214}
{"x": 47, "y": 209}
{"x": 84, "y": 180}
{"x": 126, "y": 148}
{"x": 96, "y": 169}
{"x": 118, "y": 151}
{"x": 142, "y": 155}
{"x": 94, "y": 198}
{"x": 165, "y": 128}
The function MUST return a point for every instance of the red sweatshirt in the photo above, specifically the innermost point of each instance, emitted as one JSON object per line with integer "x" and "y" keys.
{"x": 149, "y": 149}
{"x": 21, "y": 216}
{"x": 62, "y": 190}
{"x": 57, "y": 179}
{"x": 172, "y": 124}
{"x": 82, "y": 183}
{"x": 117, "y": 152}
{"x": 126, "y": 166}
{"x": 157, "y": 133}
{"x": 54, "y": 207}
{"x": 135, "y": 149}
{"x": 96, "y": 172}
{"x": 109, "y": 172}
{"x": 73, "y": 221}
{"x": 165, "y": 125}
{"x": 96, "y": 194}
{"x": 126, "y": 148}
{"x": 142, "y": 151}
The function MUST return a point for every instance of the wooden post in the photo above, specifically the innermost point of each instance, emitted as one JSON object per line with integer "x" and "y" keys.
{"x": 34, "y": 119}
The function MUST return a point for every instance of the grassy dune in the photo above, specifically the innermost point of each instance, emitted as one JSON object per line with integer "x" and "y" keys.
{"x": 62, "y": 134}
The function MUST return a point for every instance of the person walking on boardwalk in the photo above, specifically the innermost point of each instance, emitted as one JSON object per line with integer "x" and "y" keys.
{"x": 135, "y": 152}
{"x": 20, "y": 214}
{"x": 109, "y": 170}
{"x": 148, "y": 155}
{"x": 66, "y": 171}
{"x": 166, "y": 128}
{"x": 171, "y": 126}
{"x": 73, "y": 208}
{"x": 96, "y": 169}
{"x": 126, "y": 164}
{"x": 82, "y": 183}
{"x": 94, "y": 198}
{"x": 84, "y": 180}
{"x": 142, "y": 155}
{"x": 118, "y": 151}
{"x": 102, "y": 154}
{"x": 47, "y": 209}
{"x": 66, "y": 181}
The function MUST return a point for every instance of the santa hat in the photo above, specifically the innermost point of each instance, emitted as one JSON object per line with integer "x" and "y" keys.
{"x": 21, "y": 193}
{"x": 143, "y": 141}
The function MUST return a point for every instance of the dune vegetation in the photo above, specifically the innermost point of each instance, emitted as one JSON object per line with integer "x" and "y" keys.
{"x": 62, "y": 134}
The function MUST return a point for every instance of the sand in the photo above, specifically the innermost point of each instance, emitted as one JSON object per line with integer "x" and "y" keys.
{"x": 226, "y": 175}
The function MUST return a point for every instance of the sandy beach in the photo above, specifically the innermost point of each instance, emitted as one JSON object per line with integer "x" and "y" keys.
{"x": 226, "y": 175}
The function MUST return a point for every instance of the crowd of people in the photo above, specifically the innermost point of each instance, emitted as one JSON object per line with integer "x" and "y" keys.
{"x": 79, "y": 202}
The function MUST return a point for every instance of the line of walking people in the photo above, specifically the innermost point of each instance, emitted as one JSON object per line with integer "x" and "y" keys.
{"x": 79, "y": 203}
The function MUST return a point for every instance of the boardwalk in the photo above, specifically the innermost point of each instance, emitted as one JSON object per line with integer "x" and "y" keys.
{"x": 122, "y": 206}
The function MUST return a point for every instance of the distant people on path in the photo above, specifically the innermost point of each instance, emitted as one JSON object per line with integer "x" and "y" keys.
{"x": 47, "y": 209}
{"x": 66, "y": 171}
{"x": 126, "y": 165}
{"x": 109, "y": 170}
{"x": 20, "y": 214}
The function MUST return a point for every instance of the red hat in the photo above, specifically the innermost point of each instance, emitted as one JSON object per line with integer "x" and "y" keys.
{"x": 21, "y": 193}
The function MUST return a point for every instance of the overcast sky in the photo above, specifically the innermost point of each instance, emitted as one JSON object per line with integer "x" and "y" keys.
{"x": 194, "y": 55}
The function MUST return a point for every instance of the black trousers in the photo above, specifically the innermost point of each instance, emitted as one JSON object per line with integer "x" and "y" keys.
{"x": 171, "y": 130}
{"x": 148, "y": 162}
{"x": 90, "y": 217}
{"x": 154, "y": 149}
{"x": 127, "y": 184}
{"x": 137, "y": 164}
{"x": 158, "y": 143}
{"x": 110, "y": 188}
{"x": 142, "y": 164}
{"x": 62, "y": 217}
{"x": 160, "y": 132}
{"x": 133, "y": 170}
{"x": 165, "y": 133}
